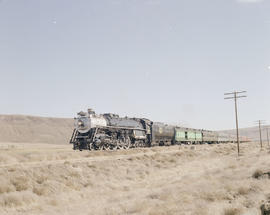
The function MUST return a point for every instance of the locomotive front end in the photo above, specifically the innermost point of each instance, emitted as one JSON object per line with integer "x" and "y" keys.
{"x": 86, "y": 121}
{"x": 85, "y": 124}
{"x": 82, "y": 124}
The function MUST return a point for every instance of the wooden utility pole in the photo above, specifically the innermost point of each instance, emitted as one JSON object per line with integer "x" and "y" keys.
{"x": 267, "y": 136}
{"x": 235, "y": 97}
{"x": 260, "y": 122}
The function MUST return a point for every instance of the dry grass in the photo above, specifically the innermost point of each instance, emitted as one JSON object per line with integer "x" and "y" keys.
{"x": 5, "y": 186}
{"x": 178, "y": 180}
{"x": 20, "y": 183}
{"x": 40, "y": 191}
{"x": 243, "y": 190}
{"x": 11, "y": 200}
{"x": 232, "y": 211}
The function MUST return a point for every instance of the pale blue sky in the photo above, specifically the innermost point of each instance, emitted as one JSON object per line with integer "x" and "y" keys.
{"x": 167, "y": 60}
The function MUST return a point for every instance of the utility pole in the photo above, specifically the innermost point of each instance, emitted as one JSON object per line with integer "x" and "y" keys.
{"x": 235, "y": 97}
{"x": 260, "y": 122}
{"x": 267, "y": 136}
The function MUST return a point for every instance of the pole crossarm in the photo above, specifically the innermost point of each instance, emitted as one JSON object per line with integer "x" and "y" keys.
{"x": 235, "y": 97}
{"x": 260, "y": 121}
{"x": 235, "y": 92}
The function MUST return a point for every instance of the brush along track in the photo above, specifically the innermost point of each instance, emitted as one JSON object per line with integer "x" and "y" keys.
{"x": 162, "y": 180}
{"x": 80, "y": 160}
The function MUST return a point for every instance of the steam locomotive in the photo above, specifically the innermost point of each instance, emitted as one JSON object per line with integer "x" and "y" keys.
{"x": 110, "y": 132}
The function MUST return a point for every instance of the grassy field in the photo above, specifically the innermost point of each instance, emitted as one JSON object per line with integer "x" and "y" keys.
{"x": 195, "y": 180}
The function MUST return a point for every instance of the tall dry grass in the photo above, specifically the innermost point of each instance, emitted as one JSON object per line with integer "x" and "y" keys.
{"x": 162, "y": 180}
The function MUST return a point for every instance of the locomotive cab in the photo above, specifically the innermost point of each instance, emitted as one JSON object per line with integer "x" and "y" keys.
{"x": 138, "y": 134}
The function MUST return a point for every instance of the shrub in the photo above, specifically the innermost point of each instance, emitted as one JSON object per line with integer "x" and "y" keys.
{"x": 257, "y": 174}
{"x": 20, "y": 183}
{"x": 41, "y": 179}
{"x": 10, "y": 200}
{"x": 243, "y": 190}
{"x": 232, "y": 211}
{"x": 40, "y": 191}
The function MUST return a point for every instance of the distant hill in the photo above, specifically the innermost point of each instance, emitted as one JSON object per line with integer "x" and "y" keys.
{"x": 252, "y": 132}
{"x": 32, "y": 129}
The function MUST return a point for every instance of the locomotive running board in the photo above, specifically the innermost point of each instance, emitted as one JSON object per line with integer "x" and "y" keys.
{"x": 126, "y": 128}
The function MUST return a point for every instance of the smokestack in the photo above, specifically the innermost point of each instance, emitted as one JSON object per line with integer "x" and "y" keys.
{"x": 90, "y": 111}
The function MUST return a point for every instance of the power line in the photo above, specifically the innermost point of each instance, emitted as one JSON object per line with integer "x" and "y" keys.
{"x": 235, "y": 97}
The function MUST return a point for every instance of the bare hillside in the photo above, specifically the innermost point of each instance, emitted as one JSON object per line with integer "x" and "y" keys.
{"x": 252, "y": 132}
{"x": 33, "y": 129}
{"x": 19, "y": 128}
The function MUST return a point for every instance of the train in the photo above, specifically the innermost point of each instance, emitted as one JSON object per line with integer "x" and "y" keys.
{"x": 110, "y": 132}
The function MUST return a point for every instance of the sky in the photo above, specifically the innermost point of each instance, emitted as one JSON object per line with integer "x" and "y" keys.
{"x": 167, "y": 60}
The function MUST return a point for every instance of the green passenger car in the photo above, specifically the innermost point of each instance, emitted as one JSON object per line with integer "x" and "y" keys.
{"x": 187, "y": 135}
{"x": 191, "y": 135}
{"x": 198, "y": 136}
{"x": 180, "y": 135}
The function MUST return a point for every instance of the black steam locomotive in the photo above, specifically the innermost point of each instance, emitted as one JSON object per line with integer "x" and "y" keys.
{"x": 111, "y": 132}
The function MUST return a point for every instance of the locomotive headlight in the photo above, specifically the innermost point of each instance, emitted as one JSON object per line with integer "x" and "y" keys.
{"x": 80, "y": 123}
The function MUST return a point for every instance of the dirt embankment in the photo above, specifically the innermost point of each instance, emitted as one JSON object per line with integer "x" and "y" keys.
{"x": 31, "y": 129}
